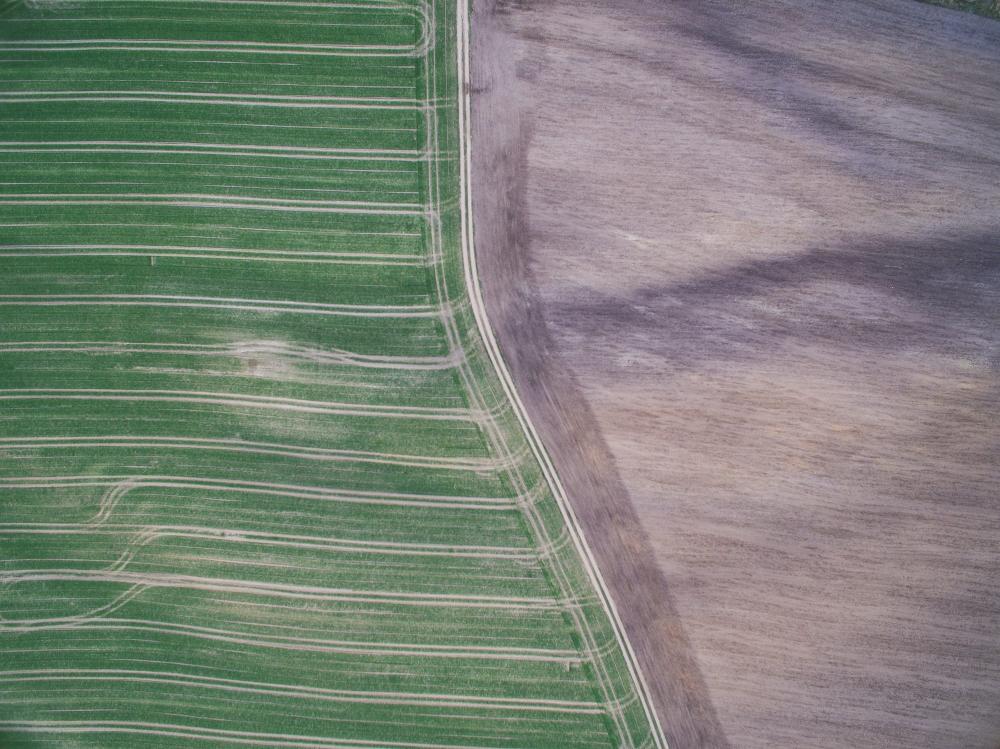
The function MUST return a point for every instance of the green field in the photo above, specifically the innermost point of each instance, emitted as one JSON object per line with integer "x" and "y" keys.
{"x": 989, "y": 8}
{"x": 261, "y": 481}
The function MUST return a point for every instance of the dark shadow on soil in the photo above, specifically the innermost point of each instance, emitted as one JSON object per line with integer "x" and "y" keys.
{"x": 947, "y": 283}
{"x": 501, "y": 134}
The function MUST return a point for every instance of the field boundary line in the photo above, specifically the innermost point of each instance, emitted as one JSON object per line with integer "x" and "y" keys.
{"x": 500, "y": 367}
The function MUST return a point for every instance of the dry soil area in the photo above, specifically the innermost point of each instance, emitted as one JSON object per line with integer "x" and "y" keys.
{"x": 744, "y": 261}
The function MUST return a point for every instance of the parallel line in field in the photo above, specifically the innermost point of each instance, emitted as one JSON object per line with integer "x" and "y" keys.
{"x": 479, "y": 702}
{"x": 417, "y": 49}
{"x": 475, "y": 465}
{"x": 314, "y": 232}
{"x": 301, "y": 644}
{"x": 97, "y": 619}
{"x": 204, "y": 302}
{"x": 291, "y": 154}
{"x": 245, "y": 183}
{"x": 213, "y": 253}
{"x": 144, "y": 534}
{"x": 307, "y": 21}
{"x": 119, "y": 486}
{"x": 31, "y": 93}
{"x": 226, "y": 149}
{"x": 288, "y": 102}
{"x": 221, "y": 200}
{"x": 245, "y": 738}
{"x": 250, "y": 401}
{"x": 592, "y": 706}
{"x": 62, "y": 622}
{"x": 324, "y": 356}
{"x": 146, "y": 249}
{"x": 417, "y": 7}
{"x": 284, "y": 590}
{"x": 247, "y": 48}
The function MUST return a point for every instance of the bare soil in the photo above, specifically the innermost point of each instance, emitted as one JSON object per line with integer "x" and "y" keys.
{"x": 744, "y": 263}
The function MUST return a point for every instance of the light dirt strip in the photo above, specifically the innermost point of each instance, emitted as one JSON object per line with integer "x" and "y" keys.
{"x": 213, "y": 253}
{"x": 224, "y": 149}
{"x": 301, "y": 692}
{"x": 32, "y": 93}
{"x": 482, "y": 323}
{"x": 244, "y": 48}
{"x": 420, "y": 48}
{"x": 595, "y": 706}
{"x": 289, "y": 102}
{"x": 218, "y": 152}
{"x": 211, "y": 226}
{"x": 198, "y": 45}
{"x": 283, "y": 590}
{"x": 198, "y": 203}
{"x": 475, "y": 465}
{"x": 205, "y": 302}
{"x": 244, "y": 738}
{"x": 119, "y": 486}
{"x": 145, "y": 534}
{"x": 68, "y": 622}
{"x": 199, "y": 200}
{"x": 240, "y": 350}
{"x": 203, "y": 196}
{"x": 247, "y": 401}
{"x": 297, "y": 644}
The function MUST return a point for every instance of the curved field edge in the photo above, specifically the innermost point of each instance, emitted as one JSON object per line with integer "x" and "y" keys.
{"x": 647, "y": 730}
{"x": 572, "y": 569}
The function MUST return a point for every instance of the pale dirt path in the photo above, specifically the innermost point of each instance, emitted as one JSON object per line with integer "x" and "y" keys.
{"x": 743, "y": 264}
{"x": 501, "y": 130}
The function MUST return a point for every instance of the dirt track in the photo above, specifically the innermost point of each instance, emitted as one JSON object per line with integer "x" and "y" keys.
{"x": 744, "y": 263}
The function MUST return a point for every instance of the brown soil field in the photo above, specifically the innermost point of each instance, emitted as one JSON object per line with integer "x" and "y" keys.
{"x": 744, "y": 263}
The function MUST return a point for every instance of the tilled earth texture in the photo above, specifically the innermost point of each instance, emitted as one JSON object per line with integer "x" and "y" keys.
{"x": 745, "y": 262}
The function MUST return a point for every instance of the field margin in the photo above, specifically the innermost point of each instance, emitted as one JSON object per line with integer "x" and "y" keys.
{"x": 499, "y": 366}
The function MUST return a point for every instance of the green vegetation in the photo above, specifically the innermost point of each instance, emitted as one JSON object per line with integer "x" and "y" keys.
{"x": 990, "y": 8}
{"x": 260, "y": 483}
